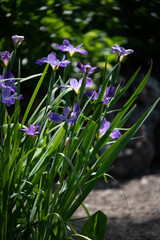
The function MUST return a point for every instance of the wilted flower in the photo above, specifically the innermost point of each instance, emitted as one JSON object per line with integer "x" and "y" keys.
{"x": 86, "y": 68}
{"x": 32, "y": 130}
{"x": 109, "y": 93}
{"x": 53, "y": 61}
{"x": 17, "y": 40}
{"x": 121, "y": 52}
{"x": 67, "y": 47}
{"x": 56, "y": 117}
{"x": 75, "y": 85}
{"x": 104, "y": 128}
{"x": 5, "y": 57}
{"x": 8, "y": 96}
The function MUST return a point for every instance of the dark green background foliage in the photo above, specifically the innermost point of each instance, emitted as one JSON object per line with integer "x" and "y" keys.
{"x": 97, "y": 23}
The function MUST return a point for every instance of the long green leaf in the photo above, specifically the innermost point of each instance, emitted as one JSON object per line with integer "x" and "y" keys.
{"x": 34, "y": 95}
{"x": 52, "y": 146}
{"x": 123, "y": 90}
{"x": 73, "y": 169}
{"x": 81, "y": 236}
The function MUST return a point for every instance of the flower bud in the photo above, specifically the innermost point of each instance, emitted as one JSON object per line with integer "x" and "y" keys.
{"x": 57, "y": 185}
{"x": 67, "y": 142}
{"x": 88, "y": 67}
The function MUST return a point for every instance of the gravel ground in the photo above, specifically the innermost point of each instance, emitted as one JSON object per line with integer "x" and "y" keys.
{"x": 132, "y": 207}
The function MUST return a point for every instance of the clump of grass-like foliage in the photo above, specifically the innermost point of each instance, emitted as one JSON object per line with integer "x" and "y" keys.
{"x": 50, "y": 160}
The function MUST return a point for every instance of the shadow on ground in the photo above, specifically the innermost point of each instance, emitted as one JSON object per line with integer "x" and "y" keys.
{"x": 132, "y": 207}
{"x": 126, "y": 229}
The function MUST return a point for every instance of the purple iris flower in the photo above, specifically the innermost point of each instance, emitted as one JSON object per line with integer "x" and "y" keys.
{"x": 109, "y": 93}
{"x": 32, "y": 130}
{"x": 17, "y": 40}
{"x": 5, "y": 57}
{"x": 121, "y": 52}
{"x": 86, "y": 68}
{"x": 104, "y": 128}
{"x": 8, "y": 88}
{"x": 8, "y": 96}
{"x": 76, "y": 86}
{"x": 8, "y": 83}
{"x": 56, "y": 117}
{"x": 53, "y": 61}
{"x": 67, "y": 47}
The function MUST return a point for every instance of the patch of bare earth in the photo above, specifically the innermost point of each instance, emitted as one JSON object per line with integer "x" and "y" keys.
{"x": 132, "y": 208}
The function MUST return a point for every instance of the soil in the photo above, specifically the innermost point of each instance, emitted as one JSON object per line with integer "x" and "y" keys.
{"x": 132, "y": 207}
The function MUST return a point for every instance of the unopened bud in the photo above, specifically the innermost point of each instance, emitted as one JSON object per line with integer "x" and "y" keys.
{"x": 67, "y": 141}
{"x": 57, "y": 185}
{"x": 88, "y": 67}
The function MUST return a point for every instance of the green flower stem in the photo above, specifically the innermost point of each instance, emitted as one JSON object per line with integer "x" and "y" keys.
{"x": 12, "y": 59}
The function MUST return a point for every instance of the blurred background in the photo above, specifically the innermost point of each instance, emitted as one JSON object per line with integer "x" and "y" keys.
{"x": 98, "y": 24}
